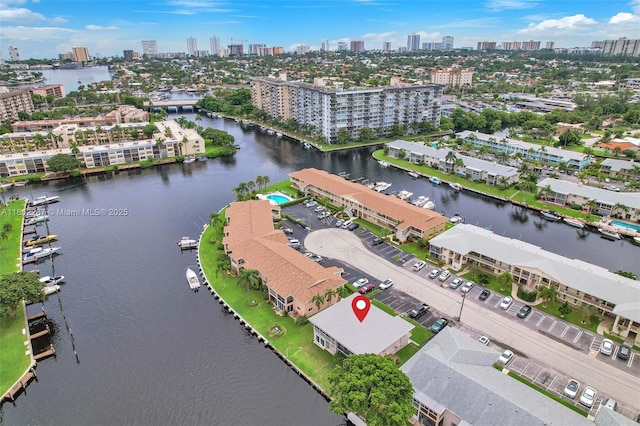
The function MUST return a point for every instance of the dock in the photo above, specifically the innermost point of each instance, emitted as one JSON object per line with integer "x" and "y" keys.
{"x": 28, "y": 231}
{"x": 36, "y": 316}
{"x": 40, "y": 333}
{"x": 45, "y": 354}
{"x": 20, "y": 385}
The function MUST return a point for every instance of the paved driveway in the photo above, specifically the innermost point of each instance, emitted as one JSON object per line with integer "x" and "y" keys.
{"x": 347, "y": 247}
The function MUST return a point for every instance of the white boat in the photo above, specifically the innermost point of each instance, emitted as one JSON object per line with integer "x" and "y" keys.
{"x": 404, "y": 195}
{"x": 202, "y": 158}
{"x": 40, "y": 252}
{"x": 187, "y": 243}
{"x": 50, "y": 289}
{"x": 414, "y": 175}
{"x": 636, "y": 241}
{"x": 192, "y": 279}
{"x": 383, "y": 163}
{"x": 306, "y": 145}
{"x": 36, "y": 220}
{"x": 609, "y": 235}
{"x": 20, "y": 183}
{"x": 269, "y": 131}
{"x": 456, "y": 219}
{"x": 44, "y": 200}
{"x": 278, "y": 134}
{"x": 6, "y": 185}
{"x": 420, "y": 201}
{"x": 434, "y": 180}
{"x": 573, "y": 222}
{"x": 549, "y": 215}
{"x": 50, "y": 281}
{"x": 189, "y": 160}
{"x": 455, "y": 186}
{"x": 429, "y": 205}
{"x": 381, "y": 186}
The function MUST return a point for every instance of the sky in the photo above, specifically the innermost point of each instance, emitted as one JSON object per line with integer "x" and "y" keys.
{"x": 45, "y": 28}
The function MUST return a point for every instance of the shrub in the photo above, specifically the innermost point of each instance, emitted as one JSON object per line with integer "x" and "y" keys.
{"x": 483, "y": 278}
{"x": 527, "y": 296}
{"x": 302, "y": 320}
{"x": 574, "y": 206}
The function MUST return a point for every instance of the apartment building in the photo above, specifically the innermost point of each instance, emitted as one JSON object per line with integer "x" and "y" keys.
{"x": 621, "y": 46}
{"x": 149, "y": 47}
{"x": 215, "y": 45}
{"x": 621, "y": 169}
{"x": 331, "y": 109}
{"x": 81, "y": 54}
{"x": 486, "y": 45}
{"x": 123, "y": 114}
{"x": 452, "y": 77}
{"x": 14, "y": 101}
{"x": 413, "y": 42}
{"x": 356, "y": 46}
{"x": 531, "y": 45}
{"x": 14, "y": 53}
{"x": 55, "y": 90}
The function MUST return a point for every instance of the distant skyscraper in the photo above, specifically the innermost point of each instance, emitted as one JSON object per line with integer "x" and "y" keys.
{"x": 128, "y": 54}
{"x": 447, "y": 43}
{"x": 236, "y": 49}
{"x": 325, "y": 46}
{"x": 386, "y": 46}
{"x": 215, "y": 45}
{"x": 357, "y": 46}
{"x": 81, "y": 54}
{"x": 255, "y": 48}
{"x": 486, "y": 45}
{"x": 149, "y": 47}
{"x": 550, "y": 45}
{"x": 192, "y": 46}
{"x": 342, "y": 45}
{"x": 621, "y": 46}
{"x": 14, "y": 53}
{"x": 1, "y": 59}
{"x": 530, "y": 45}
{"x": 301, "y": 49}
{"x": 413, "y": 42}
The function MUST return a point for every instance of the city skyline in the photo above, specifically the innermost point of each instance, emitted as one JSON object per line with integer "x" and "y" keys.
{"x": 45, "y": 29}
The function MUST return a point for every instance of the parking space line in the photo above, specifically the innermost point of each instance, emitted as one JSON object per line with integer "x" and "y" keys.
{"x": 615, "y": 352}
{"x": 578, "y": 336}
{"x": 552, "y": 325}
{"x": 552, "y": 380}
{"x": 631, "y": 359}
{"x": 538, "y": 375}
{"x": 540, "y": 320}
{"x": 566, "y": 328}
{"x": 529, "y": 317}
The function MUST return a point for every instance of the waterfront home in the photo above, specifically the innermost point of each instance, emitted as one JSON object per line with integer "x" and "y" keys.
{"x": 621, "y": 169}
{"x": 472, "y": 168}
{"x": 406, "y": 221}
{"x": 576, "y": 281}
{"x": 624, "y": 205}
{"x": 455, "y": 383}
{"x": 337, "y": 329}
{"x": 529, "y": 151}
{"x": 291, "y": 279}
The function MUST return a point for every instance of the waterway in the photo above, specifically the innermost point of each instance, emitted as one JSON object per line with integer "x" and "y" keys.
{"x": 151, "y": 351}
{"x": 74, "y": 78}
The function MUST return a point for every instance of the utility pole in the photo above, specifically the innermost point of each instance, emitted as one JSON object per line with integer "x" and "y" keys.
{"x": 461, "y": 306}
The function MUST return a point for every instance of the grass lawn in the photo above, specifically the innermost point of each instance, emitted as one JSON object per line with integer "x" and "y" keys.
{"x": 10, "y": 248}
{"x": 574, "y": 317}
{"x": 283, "y": 186}
{"x": 549, "y": 394}
{"x": 407, "y": 352}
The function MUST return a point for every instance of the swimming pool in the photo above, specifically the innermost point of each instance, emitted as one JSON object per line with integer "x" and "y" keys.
{"x": 278, "y": 198}
{"x": 625, "y": 225}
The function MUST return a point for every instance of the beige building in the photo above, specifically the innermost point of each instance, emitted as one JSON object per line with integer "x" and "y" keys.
{"x": 123, "y": 114}
{"x": 81, "y": 54}
{"x": 56, "y": 90}
{"x": 291, "y": 279}
{"x": 406, "y": 221}
{"x": 13, "y": 102}
{"x": 452, "y": 77}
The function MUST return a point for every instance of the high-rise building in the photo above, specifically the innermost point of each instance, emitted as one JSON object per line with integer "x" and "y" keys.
{"x": 486, "y": 45}
{"x": 597, "y": 44}
{"x": 14, "y": 53}
{"x": 452, "y": 77}
{"x": 215, "y": 45}
{"x": 511, "y": 45}
{"x": 149, "y": 47}
{"x": 128, "y": 54}
{"x": 531, "y": 45}
{"x": 447, "y": 43}
{"x": 236, "y": 49}
{"x": 357, "y": 46}
{"x": 81, "y": 54}
{"x": 413, "y": 42}
{"x": 621, "y": 46}
{"x": 386, "y": 46}
{"x": 331, "y": 109}
{"x": 342, "y": 45}
{"x": 325, "y": 46}
{"x": 254, "y": 48}
{"x": 1, "y": 59}
{"x": 550, "y": 45}
{"x": 192, "y": 46}
{"x": 13, "y": 102}
{"x": 301, "y": 49}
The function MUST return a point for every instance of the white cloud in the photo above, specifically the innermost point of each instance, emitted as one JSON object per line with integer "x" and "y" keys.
{"x": 624, "y": 18}
{"x": 40, "y": 34}
{"x": 101, "y": 28}
{"x": 635, "y": 6}
{"x": 568, "y": 23}
{"x": 25, "y": 16}
{"x": 500, "y": 5}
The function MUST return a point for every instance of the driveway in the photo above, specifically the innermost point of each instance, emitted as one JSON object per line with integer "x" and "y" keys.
{"x": 347, "y": 247}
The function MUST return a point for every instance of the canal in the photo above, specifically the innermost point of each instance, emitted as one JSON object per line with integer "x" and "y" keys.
{"x": 152, "y": 352}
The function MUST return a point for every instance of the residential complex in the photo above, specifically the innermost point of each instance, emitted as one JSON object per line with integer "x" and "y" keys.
{"x": 413, "y": 42}
{"x": 291, "y": 278}
{"x": 621, "y": 46}
{"x": 452, "y": 77}
{"x": 621, "y": 169}
{"x": 486, "y": 45}
{"x": 215, "y": 45}
{"x": 356, "y": 46}
{"x": 529, "y": 151}
{"x": 455, "y": 383}
{"x": 14, "y": 53}
{"x": 331, "y": 109}
{"x": 406, "y": 221}
{"x": 575, "y": 280}
{"x": 472, "y": 168}
{"x": 149, "y": 47}
{"x": 55, "y": 90}
{"x": 11, "y": 102}
{"x": 337, "y": 330}
{"x": 624, "y": 205}
{"x": 123, "y": 114}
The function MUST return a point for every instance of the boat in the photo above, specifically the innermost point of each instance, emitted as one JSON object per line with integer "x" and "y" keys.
{"x": 39, "y": 241}
{"x": 36, "y": 220}
{"x": 383, "y": 163}
{"x": 455, "y": 186}
{"x": 278, "y": 134}
{"x": 573, "y": 222}
{"x": 39, "y": 201}
{"x": 404, "y": 195}
{"x": 414, "y": 175}
{"x": 6, "y": 185}
{"x": 51, "y": 281}
{"x": 50, "y": 289}
{"x": 189, "y": 160}
{"x": 381, "y": 186}
{"x": 429, "y": 205}
{"x": 456, "y": 218}
{"x": 434, "y": 180}
{"x": 192, "y": 279}
{"x": 187, "y": 243}
{"x": 609, "y": 235}
{"x": 306, "y": 145}
{"x": 636, "y": 241}
{"x": 549, "y": 215}
{"x": 19, "y": 183}
{"x": 269, "y": 131}
{"x": 420, "y": 201}
{"x": 39, "y": 253}
{"x": 202, "y": 158}
{"x": 79, "y": 81}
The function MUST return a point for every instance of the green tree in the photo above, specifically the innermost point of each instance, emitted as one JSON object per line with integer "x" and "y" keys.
{"x": 62, "y": 163}
{"x": 372, "y": 387}
{"x": 318, "y": 299}
{"x": 564, "y": 309}
{"x": 329, "y": 294}
{"x": 248, "y": 279}
{"x": 366, "y": 134}
{"x": 16, "y": 287}
{"x": 586, "y": 312}
{"x": 343, "y": 136}
{"x": 505, "y": 280}
{"x": 148, "y": 130}
{"x": 627, "y": 274}
{"x": 548, "y": 293}
{"x": 570, "y": 137}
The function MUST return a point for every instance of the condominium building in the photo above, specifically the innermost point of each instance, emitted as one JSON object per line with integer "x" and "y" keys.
{"x": 302, "y": 49}
{"x": 486, "y": 45}
{"x": 511, "y": 45}
{"x": 531, "y": 45}
{"x": 550, "y": 45}
{"x": 14, "y": 53}
{"x": 621, "y": 46}
{"x": 236, "y": 49}
{"x": 215, "y": 45}
{"x": 342, "y": 45}
{"x": 330, "y": 109}
{"x": 386, "y": 46}
{"x": 447, "y": 43}
{"x": 14, "y": 101}
{"x": 576, "y": 281}
{"x": 452, "y": 77}
{"x": 149, "y": 47}
{"x": 357, "y": 46}
{"x": 81, "y": 54}
{"x": 254, "y": 48}
{"x": 413, "y": 42}
{"x": 127, "y": 54}
{"x": 192, "y": 46}
{"x": 431, "y": 45}
{"x": 55, "y": 90}
{"x": 123, "y": 114}
{"x": 325, "y": 46}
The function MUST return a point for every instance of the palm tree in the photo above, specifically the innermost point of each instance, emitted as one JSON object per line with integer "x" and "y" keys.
{"x": 505, "y": 280}
{"x": 223, "y": 267}
{"x": 329, "y": 294}
{"x": 215, "y": 220}
{"x": 591, "y": 205}
{"x": 251, "y": 185}
{"x": 240, "y": 191}
{"x": 318, "y": 299}
{"x": 619, "y": 206}
{"x": 259, "y": 182}
{"x": 458, "y": 164}
{"x": 450, "y": 159}
{"x": 548, "y": 293}
{"x": 586, "y": 312}
{"x": 249, "y": 278}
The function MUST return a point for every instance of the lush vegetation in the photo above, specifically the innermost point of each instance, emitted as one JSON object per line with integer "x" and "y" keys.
{"x": 62, "y": 163}
{"x": 13, "y": 361}
{"x": 16, "y": 287}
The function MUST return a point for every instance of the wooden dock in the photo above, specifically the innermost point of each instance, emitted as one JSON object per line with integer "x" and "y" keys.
{"x": 46, "y": 354}
{"x": 20, "y": 385}
{"x": 34, "y": 317}
{"x": 40, "y": 333}
{"x": 28, "y": 231}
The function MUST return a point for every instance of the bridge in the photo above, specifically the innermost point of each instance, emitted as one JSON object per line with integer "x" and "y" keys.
{"x": 175, "y": 105}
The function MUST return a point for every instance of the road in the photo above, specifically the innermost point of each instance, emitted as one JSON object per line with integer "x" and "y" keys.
{"x": 347, "y": 247}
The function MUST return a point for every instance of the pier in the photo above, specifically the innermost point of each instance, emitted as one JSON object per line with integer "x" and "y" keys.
{"x": 45, "y": 354}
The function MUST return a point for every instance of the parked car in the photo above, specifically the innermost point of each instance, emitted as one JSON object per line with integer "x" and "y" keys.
{"x": 506, "y": 302}
{"x": 467, "y": 287}
{"x": 572, "y": 388}
{"x": 317, "y": 258}
{"x": 484, "y": 340}
{"x": 418, "y": 266}
{"x": 339, "y": 223}
{"x": 588, "y": 396}
{"x": 456, "y": 283}
{"x": 287, "y": 231}
{"x": 360, "y": 282}
{"x": 312, "y": 204}
{"x": 294, "y": 243}
{"x": 346, "y": 224}
{"x": 377, "y": 241}
{"x": 323, "y": 215}
{"x": 385, "y": 284}
{"x": 418, "y": 311}
{"x": 611, "y": 404}
{"x": 434, "y": 273}
{"x": 624, "y": 352}
{"x": 484, "y": 295}
{"x": 318, "y": 209}
{"x": 366, "y": 288}
{"x": 439, "y": 325}
{"x": 505, "y": 357}
{"x": 353, "y": 227}
{"x": 444, "y": 276}
{"x": 607, "y": 347}
{"x": 524, "y": 311}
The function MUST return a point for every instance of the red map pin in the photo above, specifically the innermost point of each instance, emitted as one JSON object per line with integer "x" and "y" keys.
{"x": 360, "y": 306}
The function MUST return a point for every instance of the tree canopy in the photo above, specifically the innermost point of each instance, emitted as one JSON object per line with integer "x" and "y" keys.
{"x": 16, "y": 287}
{"x": 374, "y": 388}
{"x": 62, "y": 163}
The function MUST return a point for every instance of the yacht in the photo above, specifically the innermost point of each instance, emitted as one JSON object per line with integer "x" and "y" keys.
{"x": 455, "y": 186}
{"x": 609, "y": 235}
{"x": 420, "y": 201}
{"x": 429, "y": 205}
{"x": 187, "y": 243}
{"x": 573, "y": 222}
{"x": 50, "y": 289}
{"x": 549, "y": 215}
{"x": 192, "y": 279}
{"x": 383, "y": 163}
{"x": 39, "y": 253}
{"x": 50, "y": 281}
{"x": 434, "y": 180}
{"x": 381, "y": 186}
{"x": 44, "y": 200}
{"x": 404, "y": 195}
{"x": 414, "y": 175}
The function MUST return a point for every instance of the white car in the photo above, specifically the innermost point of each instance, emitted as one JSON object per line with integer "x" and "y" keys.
{"x": 505, "y": 357}
{"x": 467, "y": 287}
{"x": 444, "y": 276}
{"x": 318, "y": 209}
{"x": 346, "y": 224}
{"x": 588, "y": 396}
{"x": 312, "y": 204}
{"x": 572, "y": 388}
{"x": 484, "y": 340}
{"x": 607, "y": 347}
{"x": 385, "y": 284}
{"x": 339, "y": 223}
{"x": 434, "y": 273}
{"x": 418, "y": 266}
{"x": 506, "y": 302}
{"x": 360, "y": 282}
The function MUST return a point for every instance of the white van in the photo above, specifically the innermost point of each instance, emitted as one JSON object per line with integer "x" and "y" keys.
{"x": 346, "y": 224}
